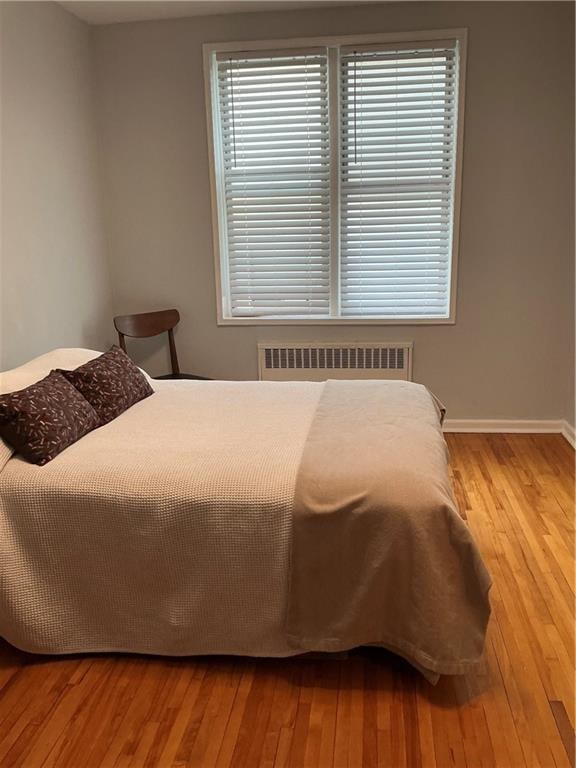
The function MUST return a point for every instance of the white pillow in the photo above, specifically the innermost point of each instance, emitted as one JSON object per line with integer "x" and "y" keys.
{"x": 39, "y": 367}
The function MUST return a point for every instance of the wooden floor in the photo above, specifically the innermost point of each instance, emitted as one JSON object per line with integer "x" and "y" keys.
{"x": 370, "y": 709}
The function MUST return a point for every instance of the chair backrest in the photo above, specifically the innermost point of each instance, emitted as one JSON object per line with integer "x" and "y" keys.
{"x": 150, "y": 324}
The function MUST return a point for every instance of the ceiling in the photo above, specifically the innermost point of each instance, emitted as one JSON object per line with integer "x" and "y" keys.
{"x": 114, "y": 11}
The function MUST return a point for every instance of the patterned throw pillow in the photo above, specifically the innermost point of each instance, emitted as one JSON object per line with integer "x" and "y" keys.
{"x": 44, "y": 418}
{"x": 111, "y": 383}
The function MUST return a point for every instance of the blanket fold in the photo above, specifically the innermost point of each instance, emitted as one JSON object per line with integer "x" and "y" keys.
{"x": 379, "y": 553}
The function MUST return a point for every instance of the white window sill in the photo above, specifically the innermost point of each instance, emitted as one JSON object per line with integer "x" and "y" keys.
{"x": 335, "y": 321}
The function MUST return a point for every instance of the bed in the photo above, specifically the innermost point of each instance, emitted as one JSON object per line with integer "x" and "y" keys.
{"x": 250, "y": 518}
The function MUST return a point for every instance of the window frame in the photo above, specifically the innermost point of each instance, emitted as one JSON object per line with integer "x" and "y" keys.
{"x": 217, "y": 176}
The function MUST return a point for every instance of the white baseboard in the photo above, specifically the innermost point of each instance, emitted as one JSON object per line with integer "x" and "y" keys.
{"x": 540, "y": 426}
{"x": 569, "y": 433}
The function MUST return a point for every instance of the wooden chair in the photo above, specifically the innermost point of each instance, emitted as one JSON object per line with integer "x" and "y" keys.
{"x": 151, "y": 324}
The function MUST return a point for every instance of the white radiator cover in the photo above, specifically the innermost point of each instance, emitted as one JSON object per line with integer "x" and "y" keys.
{"x": 318, "y": 361}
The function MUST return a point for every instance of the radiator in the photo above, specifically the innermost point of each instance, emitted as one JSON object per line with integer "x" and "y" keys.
{"x": 311, "y": 361}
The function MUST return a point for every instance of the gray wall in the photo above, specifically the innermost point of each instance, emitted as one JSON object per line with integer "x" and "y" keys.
{"x": 510, "y": 354}
{"x": 55, "y": 284}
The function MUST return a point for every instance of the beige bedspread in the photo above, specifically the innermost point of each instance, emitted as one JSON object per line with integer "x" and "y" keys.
{"x": 168, "y": 530}
{"x": 380, "y": 553}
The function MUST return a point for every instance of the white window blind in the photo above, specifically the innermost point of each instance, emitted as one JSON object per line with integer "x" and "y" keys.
{"x": 397, "y": 184}
{"x": 274, "y": 128}
{"x": 336, "y": 171}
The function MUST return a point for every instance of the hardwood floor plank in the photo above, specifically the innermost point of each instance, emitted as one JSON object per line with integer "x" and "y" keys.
{"x": 565, "y": 728}
{"x": 254, "y": 724}
{"x": 370, "y": 719}
{"x": 236, "y": 716}
{"x": 368, "y": 710}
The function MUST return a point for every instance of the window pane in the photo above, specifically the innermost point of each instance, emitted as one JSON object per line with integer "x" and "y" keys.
{"x": 273, "y": 116}
{"x": 398, "y": 115}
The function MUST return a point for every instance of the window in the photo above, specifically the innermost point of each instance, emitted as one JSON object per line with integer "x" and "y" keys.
{"x": 336, "y": 169}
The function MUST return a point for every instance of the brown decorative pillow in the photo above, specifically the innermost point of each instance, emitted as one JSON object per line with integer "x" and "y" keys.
{"x": 44, "y": 418}
{"x": 111, "y": 383}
